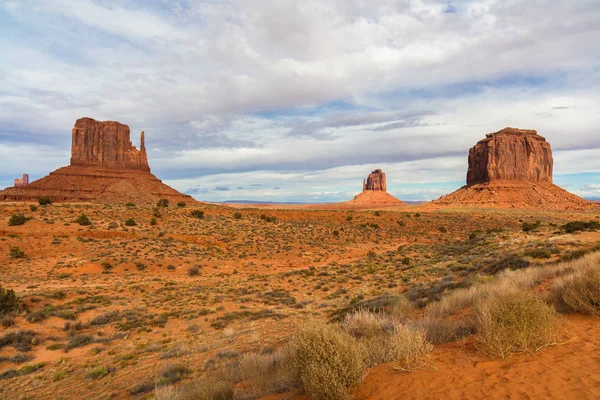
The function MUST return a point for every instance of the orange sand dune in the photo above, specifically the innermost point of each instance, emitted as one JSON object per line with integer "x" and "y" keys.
{"x": 460, "y": 371}
{"x": 570, "y": 371}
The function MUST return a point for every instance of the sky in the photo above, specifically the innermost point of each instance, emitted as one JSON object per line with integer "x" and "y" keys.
{"x": 297, "y": 101}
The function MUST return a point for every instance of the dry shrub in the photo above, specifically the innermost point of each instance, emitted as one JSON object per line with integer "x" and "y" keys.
{"x": 327, "y": 361}
{"x": 410, "y": 348}
{"x": 579, "y": 293}
{"x": 365, "y": 324}
{"x": 444, "y": 330}
{"x": 166, "y": 392}
{"x": 403, "y": 309}
{"x": 204, "y": 389}
{"x": 263, "y": 374}
{"x": 514, "y": 322}
{"x": 385, "y": 339}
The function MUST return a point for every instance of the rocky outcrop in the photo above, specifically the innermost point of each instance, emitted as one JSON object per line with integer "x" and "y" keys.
{"x": 106, "y": 144}
{"x": 512, "y": 168}
{"x": 105, "y": 168}
{"x": 510, "y": 154}
{"x": 374, "y": 194}
{"x": 375, "y": 181}
{"x": 24, "y": 181}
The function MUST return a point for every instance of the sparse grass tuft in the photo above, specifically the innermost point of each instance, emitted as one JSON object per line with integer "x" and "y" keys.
{"x": 514, "y": 322}
{"x": 579, "y": 293}
{"x": 327, "y": 361}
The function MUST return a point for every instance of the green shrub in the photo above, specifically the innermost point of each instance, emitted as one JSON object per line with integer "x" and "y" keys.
{"x": 163, "y": 203}
{"x": 16, "y": 252}
{"x": 327, "y": 361}
{"x": 106, "y": 265}
{"x": 577, "y": 226}
{"x": 516, "y": 322}
{"x": 9, "y": 302}
{"x": 193, "y": 271}
{"x": 538, "y": 253}
{"x": 530, "y": 226}
{"x": 130, "y": 222}
{"x": 83, "y": 220}
{"x": 152, "y": 221}
{"x": 237, "y": 215}
{"x": 580, "y": 293}
{"x": 33, "y": 207}
{"x": 17, "y": 219}
{"x": 129, "y": 205}
{"x": 44, "y": 201}
{"x": 181, "y": 204}
{"x": 98, "y": 372}
{"x": 197, "y": 214}
{"x": 171, "y": 374}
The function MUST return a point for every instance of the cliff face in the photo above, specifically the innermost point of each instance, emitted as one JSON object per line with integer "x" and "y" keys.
{"x": 512, "y": 168}
{"x": 375, "y": 181}
{"x": 106, "y": 144}
{"x": 105, "y": 168}
{"x": 510, "y": 154}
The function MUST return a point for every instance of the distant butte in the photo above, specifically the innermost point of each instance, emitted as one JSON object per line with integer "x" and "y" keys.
{"x": 512, "y": 168}
{"x": 375, "y": 193}
{"x": 105, "y": 168}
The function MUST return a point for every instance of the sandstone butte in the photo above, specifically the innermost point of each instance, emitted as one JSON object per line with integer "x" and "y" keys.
{"x": 105, "y": 168}
{"x": 375, "y": 193}
{"x": 512, "y": 168}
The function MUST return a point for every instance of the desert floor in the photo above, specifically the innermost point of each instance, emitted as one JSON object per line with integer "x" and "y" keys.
{"x": 110, "y": 306}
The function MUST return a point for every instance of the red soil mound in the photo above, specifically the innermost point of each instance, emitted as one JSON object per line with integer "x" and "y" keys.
{"x": 567, "y": 371}
{"x": 514, "y": 194}
{"x": 105, "y": 168}
{"x": 98, "y": 185}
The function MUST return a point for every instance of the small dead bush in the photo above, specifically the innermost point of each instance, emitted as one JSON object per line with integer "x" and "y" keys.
{"x": 579, "y": 293}
{"x": 365, "y": 324}
{"x": 327, "y": 361}
{"x": 514, "y": 322}
{"x": 409, "y": 348}
{"x": 203, "y": 389}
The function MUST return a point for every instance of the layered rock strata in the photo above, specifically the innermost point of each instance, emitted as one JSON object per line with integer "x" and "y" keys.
{"x": 105, "y": 168}
{"x": 512, "y": 168}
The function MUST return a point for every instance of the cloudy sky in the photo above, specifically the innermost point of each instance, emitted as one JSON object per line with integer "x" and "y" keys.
{"x": 286, "y": 100}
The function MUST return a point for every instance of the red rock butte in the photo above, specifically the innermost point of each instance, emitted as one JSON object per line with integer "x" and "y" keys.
{"x": 512, "y": 168}
{"x": 105, "y": 168}
{"x": 375, "y": 193}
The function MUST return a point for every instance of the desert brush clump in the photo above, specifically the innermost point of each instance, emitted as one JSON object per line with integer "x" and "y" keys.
{"x": 17, "y": 219}
{"x": 326, "y": 361}
{"x": 579, "y": 292}
{"x": 384, "y": 339}
{"x": 83, "y": 220}
{"x": 514, "y": 322}
{"x": 16, "y": 252}
{"x": 197, "y": 214}
{"x": 44, "y": 201}
{"x": 163, "y": 203}
{"x": 9, "y": 302}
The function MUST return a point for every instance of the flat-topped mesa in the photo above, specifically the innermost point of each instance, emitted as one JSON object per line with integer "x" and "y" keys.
{"x": 375, "y": 181}
{"x": 510, "y": 154}
{"x": 106, "y": 144}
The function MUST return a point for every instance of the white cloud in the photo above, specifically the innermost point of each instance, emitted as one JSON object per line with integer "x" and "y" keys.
{"x": 394, "y": 83}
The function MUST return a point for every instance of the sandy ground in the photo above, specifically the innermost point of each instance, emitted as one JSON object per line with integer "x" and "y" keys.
{"x": 461, "y": 371}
